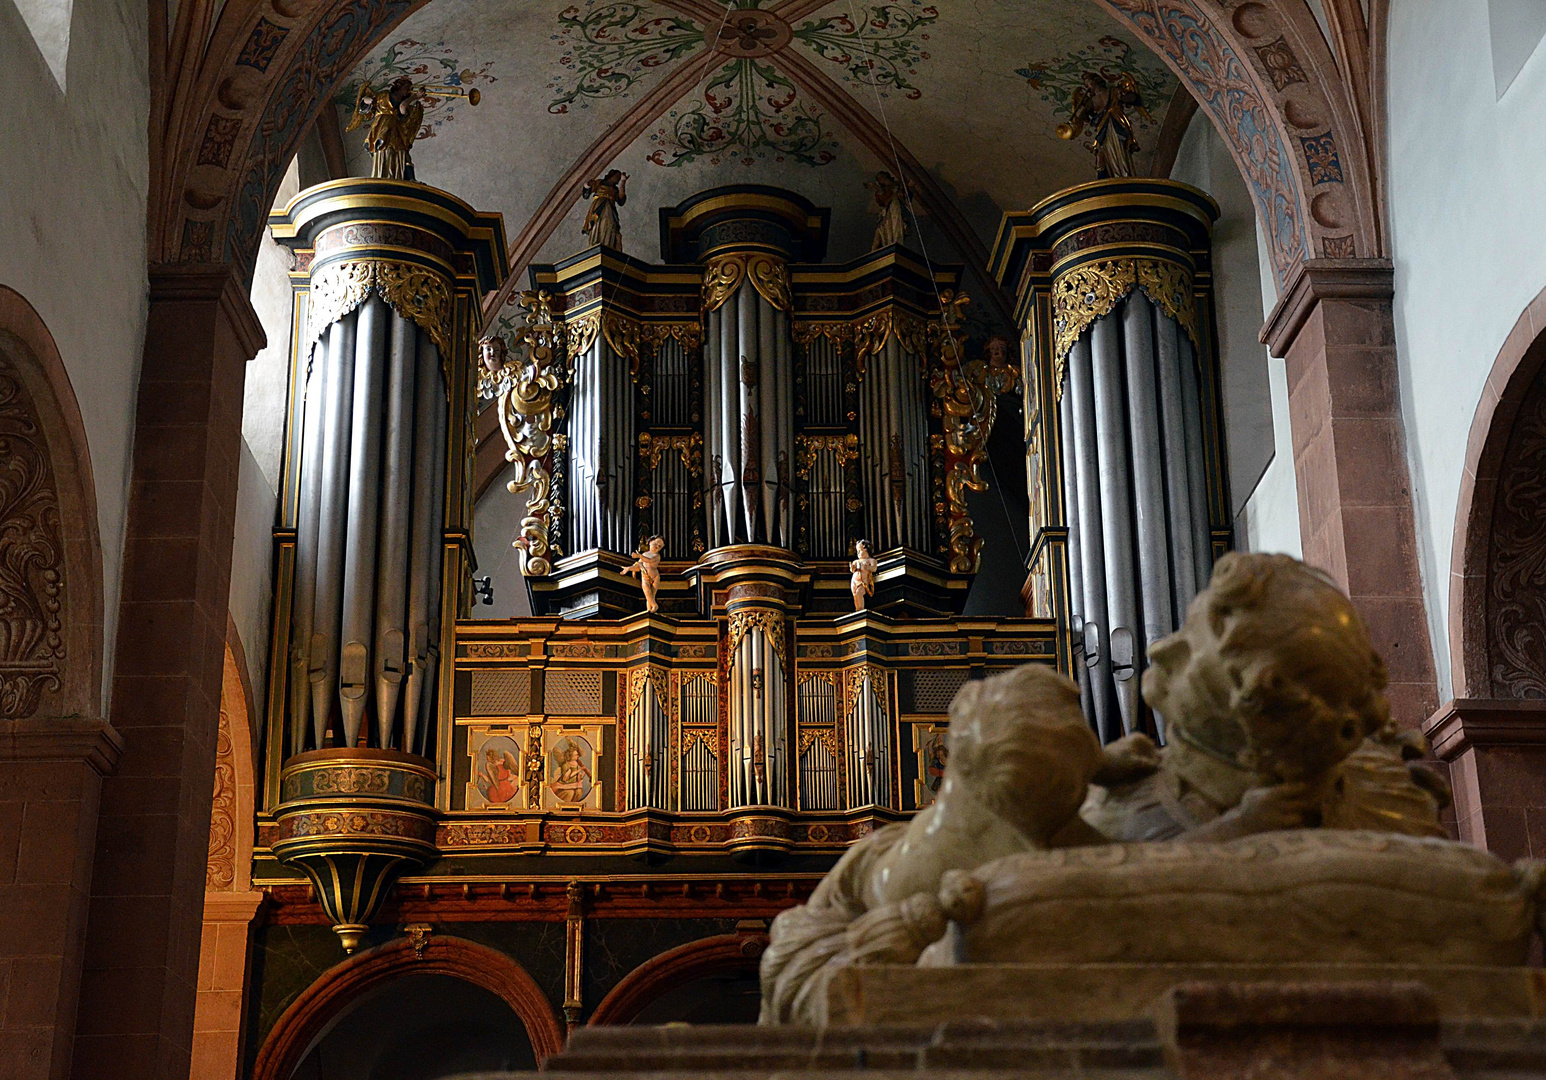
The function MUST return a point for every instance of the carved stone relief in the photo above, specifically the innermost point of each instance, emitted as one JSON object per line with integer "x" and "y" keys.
{"x": 1516, "y": 571}
{"x": 221, "y": 872}
{"x": 31, "y": 557}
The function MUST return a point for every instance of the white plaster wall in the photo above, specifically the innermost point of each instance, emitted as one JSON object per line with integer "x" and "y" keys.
{"x": 495, "y": 520}
{"x": 1255, "y": 386}
{"x": 1468, "y": 236}
{"x": 74, "y": 178}
{"x": 265, "y": 397}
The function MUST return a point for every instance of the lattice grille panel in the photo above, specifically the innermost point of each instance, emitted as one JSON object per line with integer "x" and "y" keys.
{"x": 933, "y": 691}
{"x": 501, "y": 693}
{"x": 572, "y": 693}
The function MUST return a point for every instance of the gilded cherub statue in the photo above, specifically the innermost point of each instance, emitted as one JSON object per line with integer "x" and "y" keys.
{"x": 1100, "y": 105}
{"x": 862, "y": 584}
{"x": 892, "y": 227}
{"x": 606, "y": 194}
{"x": 646, "y": 564}
{"x": 395, "y": 116}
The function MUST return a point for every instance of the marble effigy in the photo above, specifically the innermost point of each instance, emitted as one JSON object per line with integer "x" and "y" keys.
{"x": 1285, "y": 824}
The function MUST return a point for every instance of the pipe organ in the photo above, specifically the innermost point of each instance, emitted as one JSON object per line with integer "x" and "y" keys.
{"x": 1125, "y": 457}
{"x": 756, "y": 408}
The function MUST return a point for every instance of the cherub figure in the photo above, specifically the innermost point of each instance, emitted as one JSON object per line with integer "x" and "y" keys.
{"x": 396, "y": 116}
{"x": 573, "y": 781}
{"x": 646, "y": 564}
{"x": 606, "y": 194}
{"x": 892, "y": 227}
{"x": 862, "y": 584}
{"x": 1100, "y": 105}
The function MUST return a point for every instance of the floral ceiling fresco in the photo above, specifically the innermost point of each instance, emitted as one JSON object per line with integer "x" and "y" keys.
{"x": 684, "y": 95}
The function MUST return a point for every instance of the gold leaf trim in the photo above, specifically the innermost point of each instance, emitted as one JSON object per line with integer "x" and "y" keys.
{"x": 770, "y": 622}
{"x": 653, "y": 447}
{"x": 415, "y": 293}
{"x": 725, "y": 274}
{"x": 1090, "y": 292}
{"x": 846, "y": 447}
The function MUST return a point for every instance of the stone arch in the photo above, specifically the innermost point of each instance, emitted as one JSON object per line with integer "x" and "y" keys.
{"x": 309, "y": 1015}
{"x": 1497, "y": 596}
{"x": 1261, "y": 69}
{"x": 724, "y": 954}
{"x": 231, "y": 824}
{"x": 51, "y": 658}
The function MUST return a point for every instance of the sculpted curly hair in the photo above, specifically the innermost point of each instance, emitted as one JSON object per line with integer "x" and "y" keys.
{"x": 1273, "y": 668}
{"x": 1020, "y": 743}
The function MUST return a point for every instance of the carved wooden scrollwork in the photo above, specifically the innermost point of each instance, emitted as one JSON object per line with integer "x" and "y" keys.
{"x": 31, "y": 557}
{"x": 690, "y": 447}
{"x": 1516, "y": 585}
{"x": 723, "y": 276}
{"x": 413, "y": 292}
{"x": 525, "y": 381}
{"x": 1090, "y": 292}
{"x": 220, "y": 873}
{"x": 968, "y": 393}
{"x": 769, "y": 621}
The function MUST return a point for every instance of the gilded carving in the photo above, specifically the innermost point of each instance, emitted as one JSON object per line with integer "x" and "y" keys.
{"x": 845, "y": 447}
{"x": 690, "y": 447}
{"x": 707, "y": 736}
{"x": 855, "y": 682}
{"x": 1090, "y": 292}
{"x": 724, "y": 274}
{"x": 220, "y": 873}
{"x": 526, "y": 383}
{"x": 836, "y": 332}
{"x": 767, "y": 620}
{"x": 415, "y": 293}
{"x": 968, "y": 393}
{"x": 31, "y": 558}
{"x": 626, "y": 337}
{"x": 581, "y": 333}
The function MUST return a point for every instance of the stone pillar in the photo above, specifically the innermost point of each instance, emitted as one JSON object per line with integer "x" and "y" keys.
{"x": 224, "y": 960}
{"x": 51, "y": 771}
{"x": 152, "y": 840}
{"x": 1496, "y": 751}
{"x": 1333, "y": 326}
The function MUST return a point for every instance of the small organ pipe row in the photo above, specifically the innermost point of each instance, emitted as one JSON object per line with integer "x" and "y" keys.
{"x": 1135, "y": 491}
{"x": 868, "y": 744}
{"x": 826, "y": 512}
{"x": 601, "y": 451}
{"x": 649, "y": 739}
{"x": 365, "y": 609}
{"x": 749, "y": 422}
{"x": 893, "y": 444}
{"x": 758, "y": 734}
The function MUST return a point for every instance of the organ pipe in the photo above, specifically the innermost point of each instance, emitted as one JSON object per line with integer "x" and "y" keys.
{"x": 1116, "y": 516}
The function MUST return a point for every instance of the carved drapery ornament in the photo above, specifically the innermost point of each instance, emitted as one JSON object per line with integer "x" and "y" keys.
{"x": 31, "y": 558}
{"x": 724, "y": 274}
{"x": 855, "y": 683}
{"x": 635, "y": 340}
{"x": 838, "y": 333}
{"x": 769, "y": 621}
{"x": 221, "y": 870}
{"x": 653, "y": 447}
{"x": 417, "y": 294}
{"x": 526, "y": 379}
{"x": 580, "y": 334}
{"x": 1090, "y": 292}
{"x": 968, "y": 393}
{"x": 871, "y": 334}
{"x": 845, "y": 447}
{"x": 707, "y": 736}
{"x": 656, "y": 676}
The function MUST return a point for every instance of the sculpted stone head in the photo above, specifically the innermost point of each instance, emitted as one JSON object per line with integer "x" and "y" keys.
{"x": 1020, "y": 743}
{"x": 1273, "y": 670}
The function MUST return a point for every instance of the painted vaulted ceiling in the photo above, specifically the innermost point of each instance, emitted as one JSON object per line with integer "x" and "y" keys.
{"x": 687, "y": 94}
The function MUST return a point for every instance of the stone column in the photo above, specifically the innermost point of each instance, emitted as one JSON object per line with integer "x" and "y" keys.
{"x": 224, "y": 961}
{"x": 1333, "y": 326}
{"x": 51, "y": 771}
{"x": 1496, "y": 751}
{"x": 152, "y": 840}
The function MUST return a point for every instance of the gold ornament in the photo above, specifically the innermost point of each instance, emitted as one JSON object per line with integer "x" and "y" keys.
{"x": 653, "y": 447}
{"x": 770, "y": 622}
{"x": 724, "y": 275}
{"x": 1090, "y": 292}
{"x": 413, "y": 292}
{"x": 846, "y": 447}
{"x": 528, "y": 381}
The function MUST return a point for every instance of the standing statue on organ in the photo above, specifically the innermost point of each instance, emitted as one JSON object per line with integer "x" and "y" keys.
{"x": 892, "y": 228}
{"x": 1100, "y": 105}
{"x": 396, "y": 116}
{"x": 862, "y": 584}
{"x": 606, "y": 194}
{"x": 647, "y": 565}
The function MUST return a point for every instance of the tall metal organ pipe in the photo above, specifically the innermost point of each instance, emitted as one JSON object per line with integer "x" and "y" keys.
{"x": 333, "y": 503}
{"x": 396, "y": 495}
{"x": 304, "y": 597}
{"x": 1092, "y": 544}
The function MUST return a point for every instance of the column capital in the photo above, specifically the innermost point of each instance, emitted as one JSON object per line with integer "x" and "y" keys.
{"x": 181, "y": 283}
{"x": 1467, "y": 723}
{"x": 56, "y": 738}
{"x": 1315, "y": 280}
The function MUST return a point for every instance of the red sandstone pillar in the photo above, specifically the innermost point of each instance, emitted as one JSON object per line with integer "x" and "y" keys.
{"x": 152, "y": 845}
{"x": 1333, "y": 326}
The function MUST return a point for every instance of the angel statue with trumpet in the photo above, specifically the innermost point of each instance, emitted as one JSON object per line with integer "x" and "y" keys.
{"x": 396, "y": 116}
{"x": 1100, "y": 106}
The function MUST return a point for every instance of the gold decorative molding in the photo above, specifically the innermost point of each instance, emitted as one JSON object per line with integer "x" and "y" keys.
{"x": 871, "y": 334}
{"x": 724, "y": 275}
{"x": 968, "y": 395}
{"x": 822, "y": 735}
{"x": 804, "y": 333}
{"x": 692, "y": 736}
{"x": 768, "y": 620}
{"x": 416, "y": 294}
{"x": 581, "y": 334}
{"x": 627, "y": 339}
{"x": 1091, "y": 291}
{"x": 854, "y": 681}
{"x": 653, "y": 447}
{"x": 527, "y": 381}
{"x": 846, "y": 447}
